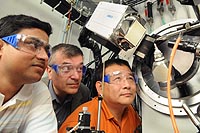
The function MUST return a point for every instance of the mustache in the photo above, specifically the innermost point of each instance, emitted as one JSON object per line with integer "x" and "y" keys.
{"x": 73, "y": 82}
{"x": 41, "y": 64}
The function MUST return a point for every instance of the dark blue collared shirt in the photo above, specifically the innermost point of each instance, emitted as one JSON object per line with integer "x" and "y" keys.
{"x": 71, "y": 102}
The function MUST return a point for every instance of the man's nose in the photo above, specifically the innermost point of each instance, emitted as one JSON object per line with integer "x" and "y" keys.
{"x": 41, "y": 53}
{"x": 126, "y": 83}
{"x": 75, "y": 74}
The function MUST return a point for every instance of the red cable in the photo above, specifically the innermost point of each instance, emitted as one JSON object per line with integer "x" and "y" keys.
{"x": 69, "y": 17}
{"x": 167, "y": 2}
{"x": 146, "y": 12}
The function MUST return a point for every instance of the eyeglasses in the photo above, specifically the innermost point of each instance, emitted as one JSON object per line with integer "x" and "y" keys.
{"x": 26, "y": 43}
{"x": 68, "y": 69}
{"x": 118, "y": 77}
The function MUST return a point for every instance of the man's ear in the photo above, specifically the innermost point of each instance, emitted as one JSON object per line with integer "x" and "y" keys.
{"x": 1, "y": 46}
{"x": 49, "y": 72}
{"x": 99, "y": 87}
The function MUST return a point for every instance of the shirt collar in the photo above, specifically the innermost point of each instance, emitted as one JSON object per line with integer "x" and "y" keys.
{"x": 23, "y": 95}
{"x": 54, "y": 96}
{"x": 1, "y": 99}
{"x": 108, "y": 114}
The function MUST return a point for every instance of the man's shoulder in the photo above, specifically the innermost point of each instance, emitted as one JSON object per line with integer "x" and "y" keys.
{"x": 39, "y": 89}
{"x": 45, "y": 80}
{"x": 132, "y": 111}
{"x": 83, "y": 93}
{"x": 84, "y": 89}
{"x": 90, "y": 104}
{"x": 82, "y": 96}
{"x": 40, "y": 85}
{"x": 35, "y": 87}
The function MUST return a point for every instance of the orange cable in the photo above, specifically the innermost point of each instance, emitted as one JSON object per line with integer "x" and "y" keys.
{"x": 168, "y": 84}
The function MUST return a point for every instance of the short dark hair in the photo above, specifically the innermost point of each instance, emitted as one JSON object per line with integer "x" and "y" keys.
{"x": 13, "y": 24}
{"x": 69, "y": 50}
{"x": 108, "y": 63}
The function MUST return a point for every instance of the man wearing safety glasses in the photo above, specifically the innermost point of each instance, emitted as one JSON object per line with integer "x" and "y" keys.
{"x": 118, "y": 89}
{"x": 65, "y": 73}
{"x": 25, "y": 103}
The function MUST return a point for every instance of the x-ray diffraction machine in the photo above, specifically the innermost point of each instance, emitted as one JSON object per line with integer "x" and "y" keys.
{"x": 120, "y": 30}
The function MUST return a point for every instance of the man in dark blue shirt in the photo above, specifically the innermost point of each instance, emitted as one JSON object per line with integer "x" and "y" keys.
{"x": 65, "y": 73}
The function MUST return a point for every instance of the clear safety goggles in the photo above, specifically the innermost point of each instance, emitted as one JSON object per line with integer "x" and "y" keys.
{"x": 68, "y": 69}
{"x": 27, "y": 43}
{"x": 118, "y": 77}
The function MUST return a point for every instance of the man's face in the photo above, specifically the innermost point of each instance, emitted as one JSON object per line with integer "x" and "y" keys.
{"x": 23, "y": 67}
{"x": 122, "y": 87}
{"x": 66, "y": 82}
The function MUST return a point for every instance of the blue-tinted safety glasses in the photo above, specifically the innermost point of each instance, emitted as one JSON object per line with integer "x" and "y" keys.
{"x": 27, "y": 43}
{"x": 68, "y": 69}
{"x": 118, "y": 77}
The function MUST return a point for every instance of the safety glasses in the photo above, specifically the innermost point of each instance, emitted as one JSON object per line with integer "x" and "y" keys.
{"x": 68, "y": 69}
{"x": 118, "y": 77}
{"x": 27, "y": 43}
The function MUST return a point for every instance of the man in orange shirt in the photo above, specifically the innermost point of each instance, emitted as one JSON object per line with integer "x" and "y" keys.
{"x": 118, "y": 90}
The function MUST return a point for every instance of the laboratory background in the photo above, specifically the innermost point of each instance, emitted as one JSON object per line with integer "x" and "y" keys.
{"x": 144, "y": 32}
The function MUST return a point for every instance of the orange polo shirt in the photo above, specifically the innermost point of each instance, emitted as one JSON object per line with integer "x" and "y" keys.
{"x": 130, "y": 119}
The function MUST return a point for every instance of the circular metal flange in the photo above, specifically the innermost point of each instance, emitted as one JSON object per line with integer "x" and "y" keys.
{"x": 187, "y": 65}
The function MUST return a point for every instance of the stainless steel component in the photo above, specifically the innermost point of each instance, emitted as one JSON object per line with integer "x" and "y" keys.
{"x": 157, "y": 122}
{"x": 121, "y": 26}
{"x": 191, "y": 116}
{"x": 187, "y": 90}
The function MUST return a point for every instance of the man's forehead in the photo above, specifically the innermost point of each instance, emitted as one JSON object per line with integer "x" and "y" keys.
{"x": 73, "y": 63}
{"x": 113, "y": 68}
{"x": 118, "y": 72}
{"x": 74, "y": 59}
{"x": 35, "y": 32}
